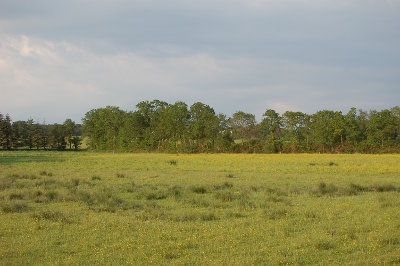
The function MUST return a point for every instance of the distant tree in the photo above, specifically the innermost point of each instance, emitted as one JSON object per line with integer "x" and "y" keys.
{"x": 70, "y": 131}
{"x": 327, "y": 128}
{"x": 57, "y": 137}
{"x": 294, "y": 130}
{"x": 76, "y": 142}
{"x": 30, "y": 132}
{"x": 102, "y": 126}
{"x": 5, "y": 132}
{"x": 270, "y": 129}
{"x": 396, "y": 113}
{"x": 204, "y": 125}
{"x": 382, "y": 128}
{"x": 224, "y": 140}
{"x": 19, "y": 131}
{"x": 243, "y": 125}
{"x": 37, "y": 138}
{"x": 352, "y": 127}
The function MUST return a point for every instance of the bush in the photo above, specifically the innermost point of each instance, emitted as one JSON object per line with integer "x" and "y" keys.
{"x": 199, "y": 189}
{"x": 14, "y": 207}
{"x": 208, "y": 216}
{"x": 54, "y": 216}
{"x": 225, "y": 196}
{"x": 355, "y": 189}
{"x": 384, "y": 188}
{"x": 96, "y": 177}
{"x": 172, "y": 162}
{"x": 225, "y": 185}
{"x": 44, "y": 173}
{"x": 157, "y": 195}
{"x": 324, "y": 245}
{"x": 324, "y": 189}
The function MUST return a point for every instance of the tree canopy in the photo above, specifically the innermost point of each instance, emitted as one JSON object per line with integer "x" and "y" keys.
{"x": 159, "y": 126}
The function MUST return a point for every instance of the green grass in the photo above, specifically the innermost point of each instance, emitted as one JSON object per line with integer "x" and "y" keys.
{"x": 99, "y": 208}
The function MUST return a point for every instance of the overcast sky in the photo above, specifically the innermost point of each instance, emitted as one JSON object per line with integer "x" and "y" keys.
{"x": 59, "y": 59}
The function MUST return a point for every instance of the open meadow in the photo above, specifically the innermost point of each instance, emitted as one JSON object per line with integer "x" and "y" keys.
{"x": 219, "y": 209}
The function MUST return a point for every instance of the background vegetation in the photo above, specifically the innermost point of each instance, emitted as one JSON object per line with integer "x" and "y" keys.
{"x": 202, "y": 209}
{"x": 159, "y": 126}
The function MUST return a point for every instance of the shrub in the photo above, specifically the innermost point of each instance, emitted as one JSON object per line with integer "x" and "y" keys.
{"x": 16, "y": 196}
{"x": 75, "y": 182}
{"x": 225, "y": 185}
{"x": 354, "y": 189}
{"x": 52, "y": 195}
{"x": 172, "y": 162}
{"x": 384, "y": 188}
{"x": 44, "y": 173}
{"x": 54, "y": 216}
{"x": 175, "y": 191}
{"x": 324, "y": 245}
{"x": 324, "y": 189}
{"x": 276, "y": 214}
{"x": 96, "y": 177}
{"x": 199, "y": 189}
{"x": 157, "y": 195}
{"x": 208, "y": 216}
{"x": 225, "y": 196}
{"x": 14, "y": 207}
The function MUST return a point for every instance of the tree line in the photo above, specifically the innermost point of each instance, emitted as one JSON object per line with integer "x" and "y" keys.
{"x": 34, "y": 135}
{"x": 159, "y": 126}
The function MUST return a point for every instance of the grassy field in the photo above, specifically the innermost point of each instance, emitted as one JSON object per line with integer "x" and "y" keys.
{"x": 98, "y": 208}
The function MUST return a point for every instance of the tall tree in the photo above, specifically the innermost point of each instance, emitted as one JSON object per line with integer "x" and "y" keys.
{"x": 57, "y": 137}
{"x": 243, "y": 125}
{"x": 294, "y": 127}
{"x": 204, "y": 125}
{"x": 102, "y": 126}
{"x": 382, "y": 128}
{"x": 19, "y": 130}
{"x": 270, "y": 129}
{"x": 5, "y": 132}
{"x": 70, "y": 131}
{"x": 328, "y": 129}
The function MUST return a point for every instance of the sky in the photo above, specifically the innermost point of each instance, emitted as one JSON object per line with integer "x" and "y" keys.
{"x": 60, "y": 59}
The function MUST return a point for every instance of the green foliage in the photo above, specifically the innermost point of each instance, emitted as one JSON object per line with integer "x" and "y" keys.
{"x": 176, "y": 128}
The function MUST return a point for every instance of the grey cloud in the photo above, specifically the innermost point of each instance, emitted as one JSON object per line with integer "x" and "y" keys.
{"x": 235, "y": 55}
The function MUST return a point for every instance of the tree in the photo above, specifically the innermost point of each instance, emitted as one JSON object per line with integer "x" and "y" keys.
{"x": 204, "y": 125}
{"x": 102, "y": 126}
{"x": 328, "y": 128}
{"x": 270, "y": 129}
{"x": 5, "y": 132}
{"x": 76, "y": 141}
{"x": 19, "y": 132}
{"x": 224, "y": 138}
{"x": 352, "y": 127}
{"x": 243, "y": 125}
{"x": 294, "y": 130}
{"x": 69, "y": 127}
{"x": 382, "y": 128}
{"x": 57, "y": 137}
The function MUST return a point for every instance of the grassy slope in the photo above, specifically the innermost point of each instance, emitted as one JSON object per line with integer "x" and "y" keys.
{"x": 88, "y": 208}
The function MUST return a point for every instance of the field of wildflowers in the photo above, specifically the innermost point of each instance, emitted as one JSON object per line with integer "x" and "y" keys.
{"x": 215, "y": 209}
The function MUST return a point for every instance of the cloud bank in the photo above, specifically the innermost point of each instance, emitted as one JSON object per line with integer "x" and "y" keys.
{"x": 59, "y": 61}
